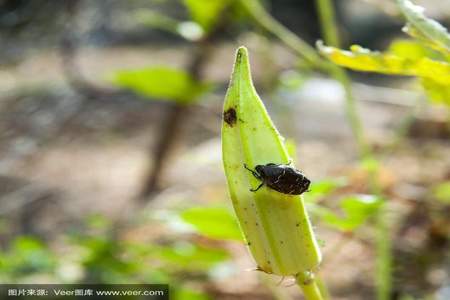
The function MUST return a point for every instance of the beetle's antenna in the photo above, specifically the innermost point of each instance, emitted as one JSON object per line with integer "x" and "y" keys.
{"x": 245, "y": 166}
{"x": 253, "y": 172}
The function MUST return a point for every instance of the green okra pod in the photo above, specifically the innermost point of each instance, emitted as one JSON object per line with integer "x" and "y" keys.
{"x": 275, "y": 225}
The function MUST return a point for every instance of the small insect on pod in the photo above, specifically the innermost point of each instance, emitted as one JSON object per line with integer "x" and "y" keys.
{"x": 281, "y": 178}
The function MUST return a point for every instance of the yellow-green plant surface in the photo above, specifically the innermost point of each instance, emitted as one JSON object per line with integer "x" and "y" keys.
{"x": 275, "y": 225}
{"x": 363, "y": 59}
{"x": 425, "y": 56}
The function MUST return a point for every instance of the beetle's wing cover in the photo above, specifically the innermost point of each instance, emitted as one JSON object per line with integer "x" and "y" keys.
{"x": 288, "y": 182}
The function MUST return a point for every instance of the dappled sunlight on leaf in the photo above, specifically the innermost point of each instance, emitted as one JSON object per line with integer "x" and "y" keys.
{"x": 361, "y": 59}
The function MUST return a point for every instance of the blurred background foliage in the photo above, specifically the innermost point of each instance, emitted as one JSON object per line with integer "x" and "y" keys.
{"x": 110, "y": 168}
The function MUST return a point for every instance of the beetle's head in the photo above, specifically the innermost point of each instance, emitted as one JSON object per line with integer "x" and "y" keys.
{"x": 259, "y": 169}
{"x": 307, "y": 182}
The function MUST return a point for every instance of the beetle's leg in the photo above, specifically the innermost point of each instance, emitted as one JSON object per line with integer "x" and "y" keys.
{"x": 253, "y": 172}
{"x": 254, "y": 190}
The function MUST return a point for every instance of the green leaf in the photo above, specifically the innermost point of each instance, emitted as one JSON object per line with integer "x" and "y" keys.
{"x": 417, "y": 35}
{"x": 362, "y": 59}
{"x": 276, "y": 225}
{"x": 320, "y": 188}
{"x": 206, "y": 12}
{"x": 156, "y": 19}
{"x": 188, "y": 294}
{"x": 437, "y": 92}
{"x": 413, "y": 50}
{"x": 26, "y": 256}
{"x": 98, "y": 222}
{"x": 218, "y": 223}
{"x": 428, "y": 27}
{"x": 188, "y": 30}
{"x": 442, "y": 192}
{"x": 356, "y": 209}
{"x": 186, "y": 256}
{"x": 292, "y": 80}
{"x": 162, "y": 83}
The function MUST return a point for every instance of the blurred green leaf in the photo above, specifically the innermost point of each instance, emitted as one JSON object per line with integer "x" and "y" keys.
{"x": 437, "y": 92}
{"x": 98, "y": 221}
{"x": 191, "y": 31}
{"x": 32, "y": 253}
{"x": 206, "y": 12}
{"x": 407, "y": 57}
{"x": 442, "y": 192}
{"x": 292, "y": 80}
{"x": 428, "y": 27}
{"x": 188, "y": 256}
{"x": 370, "y": 164}
{"x": 320, "y": 188}
{"x": 25, "y": 257}
{"x": 162, "y": 83}
{"x": 356, "y": 209}
{"x": 362, "y": 59}
{"x": 404, "y": 58}
{"x": 411, "y": 49}
{"x": 156, "y": 19}
{"x": 155, "y": 275}
{"x": 420, "y": 37}
{"x": 102, "y": 259}
{"x": 213, "y": 222}
{"x": 188, "y": 294}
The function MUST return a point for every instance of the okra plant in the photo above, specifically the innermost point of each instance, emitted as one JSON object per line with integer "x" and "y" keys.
{"x": 275, "y": 225}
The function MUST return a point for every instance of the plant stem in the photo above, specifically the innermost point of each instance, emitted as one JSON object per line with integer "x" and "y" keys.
{"x": 265, "y": 20}
{"x": 171, "y": 128}
{"x": 303, "y": 49}
{"x": 308, "y": 284}
{"x": 383, "y": 245}
{"x": 328, "y": 23}
{"x": 384, "y": 256}
{"x": 351, "y": 111}
{"x": 331, "y": 36}
{"x": 277, "y": 293}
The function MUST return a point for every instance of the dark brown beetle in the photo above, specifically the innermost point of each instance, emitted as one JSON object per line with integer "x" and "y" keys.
{"x": 281, "y": 178}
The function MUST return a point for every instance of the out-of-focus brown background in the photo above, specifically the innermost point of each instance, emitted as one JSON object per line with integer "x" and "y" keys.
{"x": 96, "y": 179}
